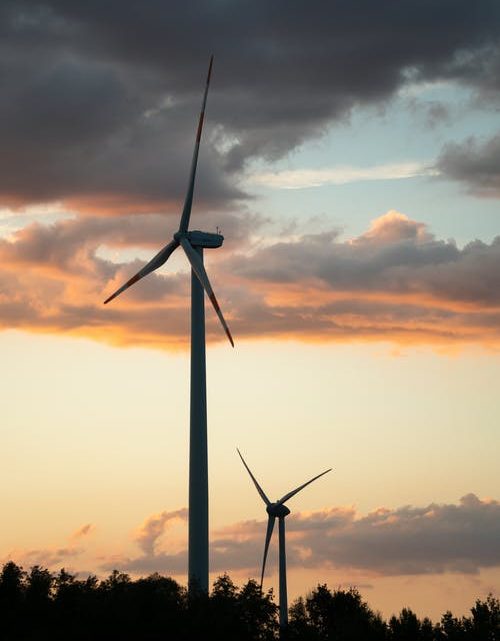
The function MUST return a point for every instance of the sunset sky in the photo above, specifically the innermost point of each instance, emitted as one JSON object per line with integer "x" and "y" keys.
{"x": 351, "y": 158}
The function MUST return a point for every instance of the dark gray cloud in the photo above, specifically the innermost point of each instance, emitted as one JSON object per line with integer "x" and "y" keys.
{"x": 396, "y": 256}
{"x": 437, "y": 538}
{"x": 408, "y": 540}
{"x": 475, "y": 164}
{"x": 101, "y": 98}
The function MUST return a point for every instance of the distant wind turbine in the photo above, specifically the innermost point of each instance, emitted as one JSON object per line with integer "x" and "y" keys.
{"x": 193, "y": 242}
{"x": 278, "y": 510}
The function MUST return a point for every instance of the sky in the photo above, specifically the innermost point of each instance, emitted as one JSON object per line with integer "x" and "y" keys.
{"x": 351, "y": 158}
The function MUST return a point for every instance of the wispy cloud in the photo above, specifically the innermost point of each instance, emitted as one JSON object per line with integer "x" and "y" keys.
{"x": 53, "y": 557}
{"x": 49, "y": 557}
{"x": 306, "y": 178}
{"x": 83, "y": 531}
{"x": 154, "y": 527}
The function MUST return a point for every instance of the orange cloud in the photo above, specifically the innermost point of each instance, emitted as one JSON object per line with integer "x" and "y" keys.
{"x": 395, "y": 283}
{"x": 393, "y": 227}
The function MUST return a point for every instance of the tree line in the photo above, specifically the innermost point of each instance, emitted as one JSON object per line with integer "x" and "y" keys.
{"x": 39, "y": 605}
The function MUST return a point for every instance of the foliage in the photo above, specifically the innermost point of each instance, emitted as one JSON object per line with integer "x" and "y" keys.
{"x": 37, "y": 605}
{"x": 341, "y": 615}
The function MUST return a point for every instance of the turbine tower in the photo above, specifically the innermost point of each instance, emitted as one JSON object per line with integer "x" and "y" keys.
{"x": 278, "y": 510}
{"x": 193, "y": 243}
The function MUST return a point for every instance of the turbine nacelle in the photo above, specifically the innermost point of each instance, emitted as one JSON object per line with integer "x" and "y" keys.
{"x": 201, "y": 238}
{"x": 278, "y": 510}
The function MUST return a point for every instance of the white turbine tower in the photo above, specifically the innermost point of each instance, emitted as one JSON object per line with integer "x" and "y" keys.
{"x": 193, "y": 242}
{"x": 278, "y": 510}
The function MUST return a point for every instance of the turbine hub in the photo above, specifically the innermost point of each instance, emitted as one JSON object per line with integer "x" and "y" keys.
{"x": 277, "y": 510}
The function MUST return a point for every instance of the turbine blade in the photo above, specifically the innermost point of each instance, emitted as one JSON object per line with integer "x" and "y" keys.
{"x": 158, "y": 260}
{"x": 188, "y": 203}
{"x": 199, "y": 269}
{"x": 270, "y": 526}
{"x": 301, "y": 487}
{"x": 259, "y": 489}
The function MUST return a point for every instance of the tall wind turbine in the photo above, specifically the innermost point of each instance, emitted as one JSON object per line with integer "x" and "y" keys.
{"x": 278, "y": 510}
{"x": 193, "y": 242}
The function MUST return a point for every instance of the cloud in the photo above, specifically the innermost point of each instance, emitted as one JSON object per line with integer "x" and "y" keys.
{"x": 99, "y": 104}
{"x": 304, "y": 178}
{"x": 434, "y": 539}
{"x": 83, "y": 531}
{"x": 392, "y": 228}
{"x": 154, "y": 527}
{"x": 437, "y": 538}
{"x": 475, "y": 164}
{"x": 395, "y": 282}
{"x": 55, "y": 556}
{"x": 51, "y": 557}
{"x": 395, "y": 257}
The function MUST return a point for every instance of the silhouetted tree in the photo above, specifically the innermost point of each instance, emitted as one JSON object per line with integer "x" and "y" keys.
{"x": 76, "y": 606}
{"x": 224, "y": 610}
{"x": 405, "y": 627}
{"x": 428, "y": 631}
{"x": 38, "y": 600}
{"x": 245, "y": 614}
{"x": 451, "y": 628}
{"x": 484, "y": 624}
{"x": 12, "y": 596}
{"x": 41, "y": 606}
{"x": 157, "y": 605}
{"x": 339, "y": 615}
{"x": 258, "y": 613}
{"x": 300, "y": 626}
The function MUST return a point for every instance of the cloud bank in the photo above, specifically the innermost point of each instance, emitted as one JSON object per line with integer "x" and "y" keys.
{"x": 439, "y": 538}
{"x": 396, "y": 282}
{"x": 435, "y": 539}
{"x": 99, "y": 100}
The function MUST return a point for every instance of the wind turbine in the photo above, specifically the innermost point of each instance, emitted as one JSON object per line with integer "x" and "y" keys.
{"x": 193, "y": 242}
{"x": 278, "y": 510}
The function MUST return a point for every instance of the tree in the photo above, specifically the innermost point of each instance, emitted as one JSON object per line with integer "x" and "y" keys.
{"x": 300, "y": 626}
{"x": 451, "y": 628}
{"x": 340, "y": 615}
{"x": 12, "y": 596}
{"x": 38, "y": 598}
{"x": 427, "y": 630}
{"x": 405, "y": 627}
{"x": 257, "y": 612}
{"x": 41, "y": 606}
{"x": 245, "y": 614}
{"x": 484, "y": 625}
